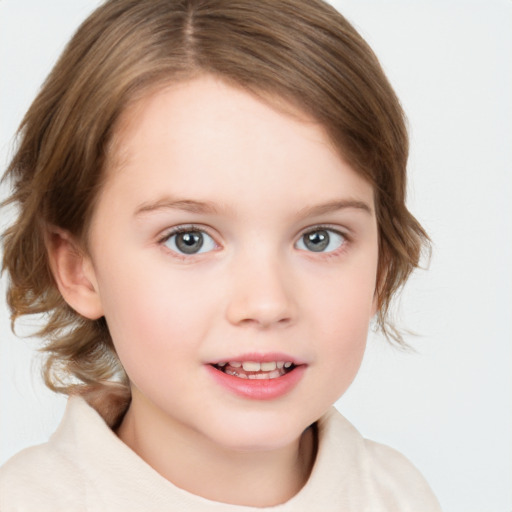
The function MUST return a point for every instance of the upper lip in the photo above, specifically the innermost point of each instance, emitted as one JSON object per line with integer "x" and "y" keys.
{"x": 260, "y": 358}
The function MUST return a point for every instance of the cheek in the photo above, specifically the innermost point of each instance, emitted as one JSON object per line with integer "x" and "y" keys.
{"x": 343, "y": 314}
{"x": 153, "y": 316}
{"x": 345, "y": 299}
{"x": 341, "y": 353}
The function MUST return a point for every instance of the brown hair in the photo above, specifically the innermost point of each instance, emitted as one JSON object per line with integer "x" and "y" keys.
{"x": 303, "y": 51}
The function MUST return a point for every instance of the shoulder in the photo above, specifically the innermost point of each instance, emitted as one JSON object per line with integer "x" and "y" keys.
{"x": 51, "y": 476}
{"x": 38, "y": 478}
{"x": 395, "y": 475}
{"x": 375, "y": 475}
{"x": 83, "y": 466}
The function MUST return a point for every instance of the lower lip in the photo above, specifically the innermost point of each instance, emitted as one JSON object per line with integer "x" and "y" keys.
{"x": 259, "y": 389}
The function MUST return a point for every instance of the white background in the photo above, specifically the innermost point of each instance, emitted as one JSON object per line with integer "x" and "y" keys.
{"x": 448, "y": 406}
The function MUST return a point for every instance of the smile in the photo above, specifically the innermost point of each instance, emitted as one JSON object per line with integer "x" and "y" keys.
{"x": 255, "y": 370}
{"x": 258, "y": 377}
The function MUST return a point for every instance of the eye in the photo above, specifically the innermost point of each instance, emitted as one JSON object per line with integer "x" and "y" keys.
{"x": 321, "y": 240}
{"x": 189, "y": 241}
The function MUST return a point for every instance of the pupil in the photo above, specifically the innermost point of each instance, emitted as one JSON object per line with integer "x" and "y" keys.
{"x": 189, "y": 243}
{"x": 316, "y": 241}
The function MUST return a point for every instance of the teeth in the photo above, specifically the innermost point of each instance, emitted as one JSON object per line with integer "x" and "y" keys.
{"x": 258, "y": 376}
{"x": 265, "y": 376}
{"x": 251, "y": 366}
{"x": 254, "y": 366}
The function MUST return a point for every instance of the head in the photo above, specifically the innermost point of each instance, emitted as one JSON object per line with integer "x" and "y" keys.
{"x": 300, "y": 56}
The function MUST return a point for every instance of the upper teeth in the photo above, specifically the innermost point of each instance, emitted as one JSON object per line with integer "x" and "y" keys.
{"x": 254, "y": 366}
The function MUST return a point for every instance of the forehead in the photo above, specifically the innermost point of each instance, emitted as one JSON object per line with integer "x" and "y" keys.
{"x": 201, "y": 98}
{"x": 187, "y": 134}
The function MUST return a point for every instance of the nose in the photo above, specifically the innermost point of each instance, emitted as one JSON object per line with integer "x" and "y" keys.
{"x": 261, "y": 294}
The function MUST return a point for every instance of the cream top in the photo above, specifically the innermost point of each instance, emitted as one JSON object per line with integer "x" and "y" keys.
{"x": 86, "y": 467}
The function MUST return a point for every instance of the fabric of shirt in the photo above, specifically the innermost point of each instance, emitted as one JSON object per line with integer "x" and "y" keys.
{"x": 86, "y": 467}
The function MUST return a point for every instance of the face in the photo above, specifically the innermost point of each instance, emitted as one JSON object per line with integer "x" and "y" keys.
{"x": 235, "y": 256}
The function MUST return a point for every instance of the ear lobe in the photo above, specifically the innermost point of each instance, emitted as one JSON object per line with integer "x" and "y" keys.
{"x": 74, "y": 274}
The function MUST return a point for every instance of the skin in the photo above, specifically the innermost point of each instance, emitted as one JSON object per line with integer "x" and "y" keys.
{"x": 256, "y": 287}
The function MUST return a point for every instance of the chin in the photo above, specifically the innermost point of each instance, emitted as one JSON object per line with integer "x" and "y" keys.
{"x": 257, "y": 432}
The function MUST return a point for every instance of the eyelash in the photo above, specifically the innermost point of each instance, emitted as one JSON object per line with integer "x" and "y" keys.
{"x": 181, "y": 229}
{"x": 321, "y": 227}
{"x": 331, "y": 229}
{"x": 188, "y": 228}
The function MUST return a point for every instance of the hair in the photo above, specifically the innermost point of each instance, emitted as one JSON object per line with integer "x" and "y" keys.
{"x": 302, "y": 51}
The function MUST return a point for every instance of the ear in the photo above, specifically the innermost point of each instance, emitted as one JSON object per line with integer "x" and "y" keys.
{"x": 74, "y": 273}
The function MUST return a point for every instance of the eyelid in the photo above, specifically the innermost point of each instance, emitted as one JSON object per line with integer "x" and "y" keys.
{"x": 343, "y": 232}
{"x": 185, "y": 228}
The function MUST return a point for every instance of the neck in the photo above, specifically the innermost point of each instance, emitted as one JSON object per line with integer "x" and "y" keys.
{"x": 199, "y": 466}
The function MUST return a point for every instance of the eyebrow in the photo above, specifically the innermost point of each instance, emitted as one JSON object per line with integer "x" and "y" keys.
{"x": 207, "y": 207}
{"x": 332, "y": 206}
{"x": 187, "y": 205}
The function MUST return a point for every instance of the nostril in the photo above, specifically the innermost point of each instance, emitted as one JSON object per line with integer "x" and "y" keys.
{"x": 266, "y": 322}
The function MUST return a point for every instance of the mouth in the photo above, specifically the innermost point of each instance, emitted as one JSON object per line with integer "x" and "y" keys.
{"x": 255, "y": 370}
{"x": 258, "y": 376}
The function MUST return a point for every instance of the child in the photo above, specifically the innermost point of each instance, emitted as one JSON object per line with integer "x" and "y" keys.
{"x": 211, "y": 202}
